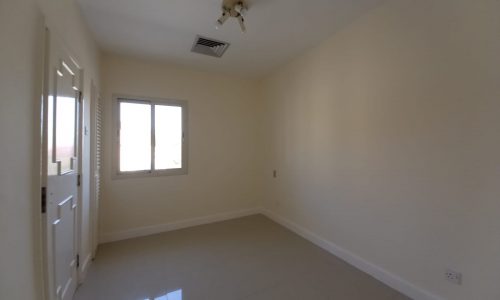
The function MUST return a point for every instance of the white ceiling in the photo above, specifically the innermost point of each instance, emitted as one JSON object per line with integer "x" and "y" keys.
{"x": 277, "y": 30}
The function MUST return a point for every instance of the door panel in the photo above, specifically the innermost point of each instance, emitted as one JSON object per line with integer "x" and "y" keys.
{"x": 61, "y": 137}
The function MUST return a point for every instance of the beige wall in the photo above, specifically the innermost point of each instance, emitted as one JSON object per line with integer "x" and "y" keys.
{"x": 21, "y": 50}
{"x": 19, "y": 69}
{"x": 223, "y": 147}
{"x": 387, "y": 139}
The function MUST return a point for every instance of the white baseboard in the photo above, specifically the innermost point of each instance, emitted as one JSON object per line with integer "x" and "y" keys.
{"x": 377, "y": 272}
{"x": 154, "y": 229}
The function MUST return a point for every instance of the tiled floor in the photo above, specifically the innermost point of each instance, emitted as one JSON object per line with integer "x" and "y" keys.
{"x": 248, "y": 258}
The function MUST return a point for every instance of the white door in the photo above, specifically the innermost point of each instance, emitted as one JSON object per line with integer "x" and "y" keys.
{"x": 61, "y": 119}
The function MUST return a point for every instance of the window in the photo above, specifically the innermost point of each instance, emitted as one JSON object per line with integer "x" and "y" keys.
{"x": 150, "y": 137}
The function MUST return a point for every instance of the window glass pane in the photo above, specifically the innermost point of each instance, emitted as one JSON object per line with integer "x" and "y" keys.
{"x": 135, "y": 137}
{"x": 51, "y": 167}
{"x": 65, "y": 122}
{"x": 168, "y": 135}
{"x": 65, "y": 131}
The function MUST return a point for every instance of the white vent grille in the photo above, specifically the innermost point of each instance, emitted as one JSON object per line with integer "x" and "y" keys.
{"x": 211, "y": 47}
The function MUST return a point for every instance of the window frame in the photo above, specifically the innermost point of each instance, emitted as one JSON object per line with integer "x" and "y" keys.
{"x": 119, "y": 98}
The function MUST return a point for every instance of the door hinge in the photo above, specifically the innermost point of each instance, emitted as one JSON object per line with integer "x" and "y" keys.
{"x": 78, "y": 260}
{"x": 44, "y": 199}
{"x": 79, "y": 180}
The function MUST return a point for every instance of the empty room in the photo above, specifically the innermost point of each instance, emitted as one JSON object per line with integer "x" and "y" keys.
{"x": 250, "y": 150}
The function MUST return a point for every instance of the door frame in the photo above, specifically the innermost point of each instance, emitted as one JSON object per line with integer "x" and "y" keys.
{"x": 47, "y": 261}
{"x": 95, "y": 99}
{"x": 82, "y": 268}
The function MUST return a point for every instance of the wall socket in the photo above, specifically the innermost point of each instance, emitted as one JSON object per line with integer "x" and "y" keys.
{"x": 453, "y": 276}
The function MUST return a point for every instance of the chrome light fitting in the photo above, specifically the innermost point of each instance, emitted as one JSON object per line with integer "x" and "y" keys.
{"x": 233, "y": 9}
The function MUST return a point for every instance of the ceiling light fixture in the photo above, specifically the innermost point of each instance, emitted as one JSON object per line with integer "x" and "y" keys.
{"x": 235, "y": 9}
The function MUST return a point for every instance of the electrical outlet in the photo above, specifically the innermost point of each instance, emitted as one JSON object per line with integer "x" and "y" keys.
{"x": 453, "y": 276}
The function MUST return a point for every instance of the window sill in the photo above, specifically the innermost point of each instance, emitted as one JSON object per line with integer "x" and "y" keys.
{"x": 146, "y": 174}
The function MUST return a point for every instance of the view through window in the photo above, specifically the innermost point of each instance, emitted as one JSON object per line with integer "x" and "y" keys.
{"x": 151, "y": 136}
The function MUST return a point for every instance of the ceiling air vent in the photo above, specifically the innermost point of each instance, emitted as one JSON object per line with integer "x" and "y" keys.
{"x": 211, "y": 47}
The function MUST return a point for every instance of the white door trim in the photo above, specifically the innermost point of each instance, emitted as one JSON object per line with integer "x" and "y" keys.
{"x": 80, "y": 272}
{"x": 95, "y": 190}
